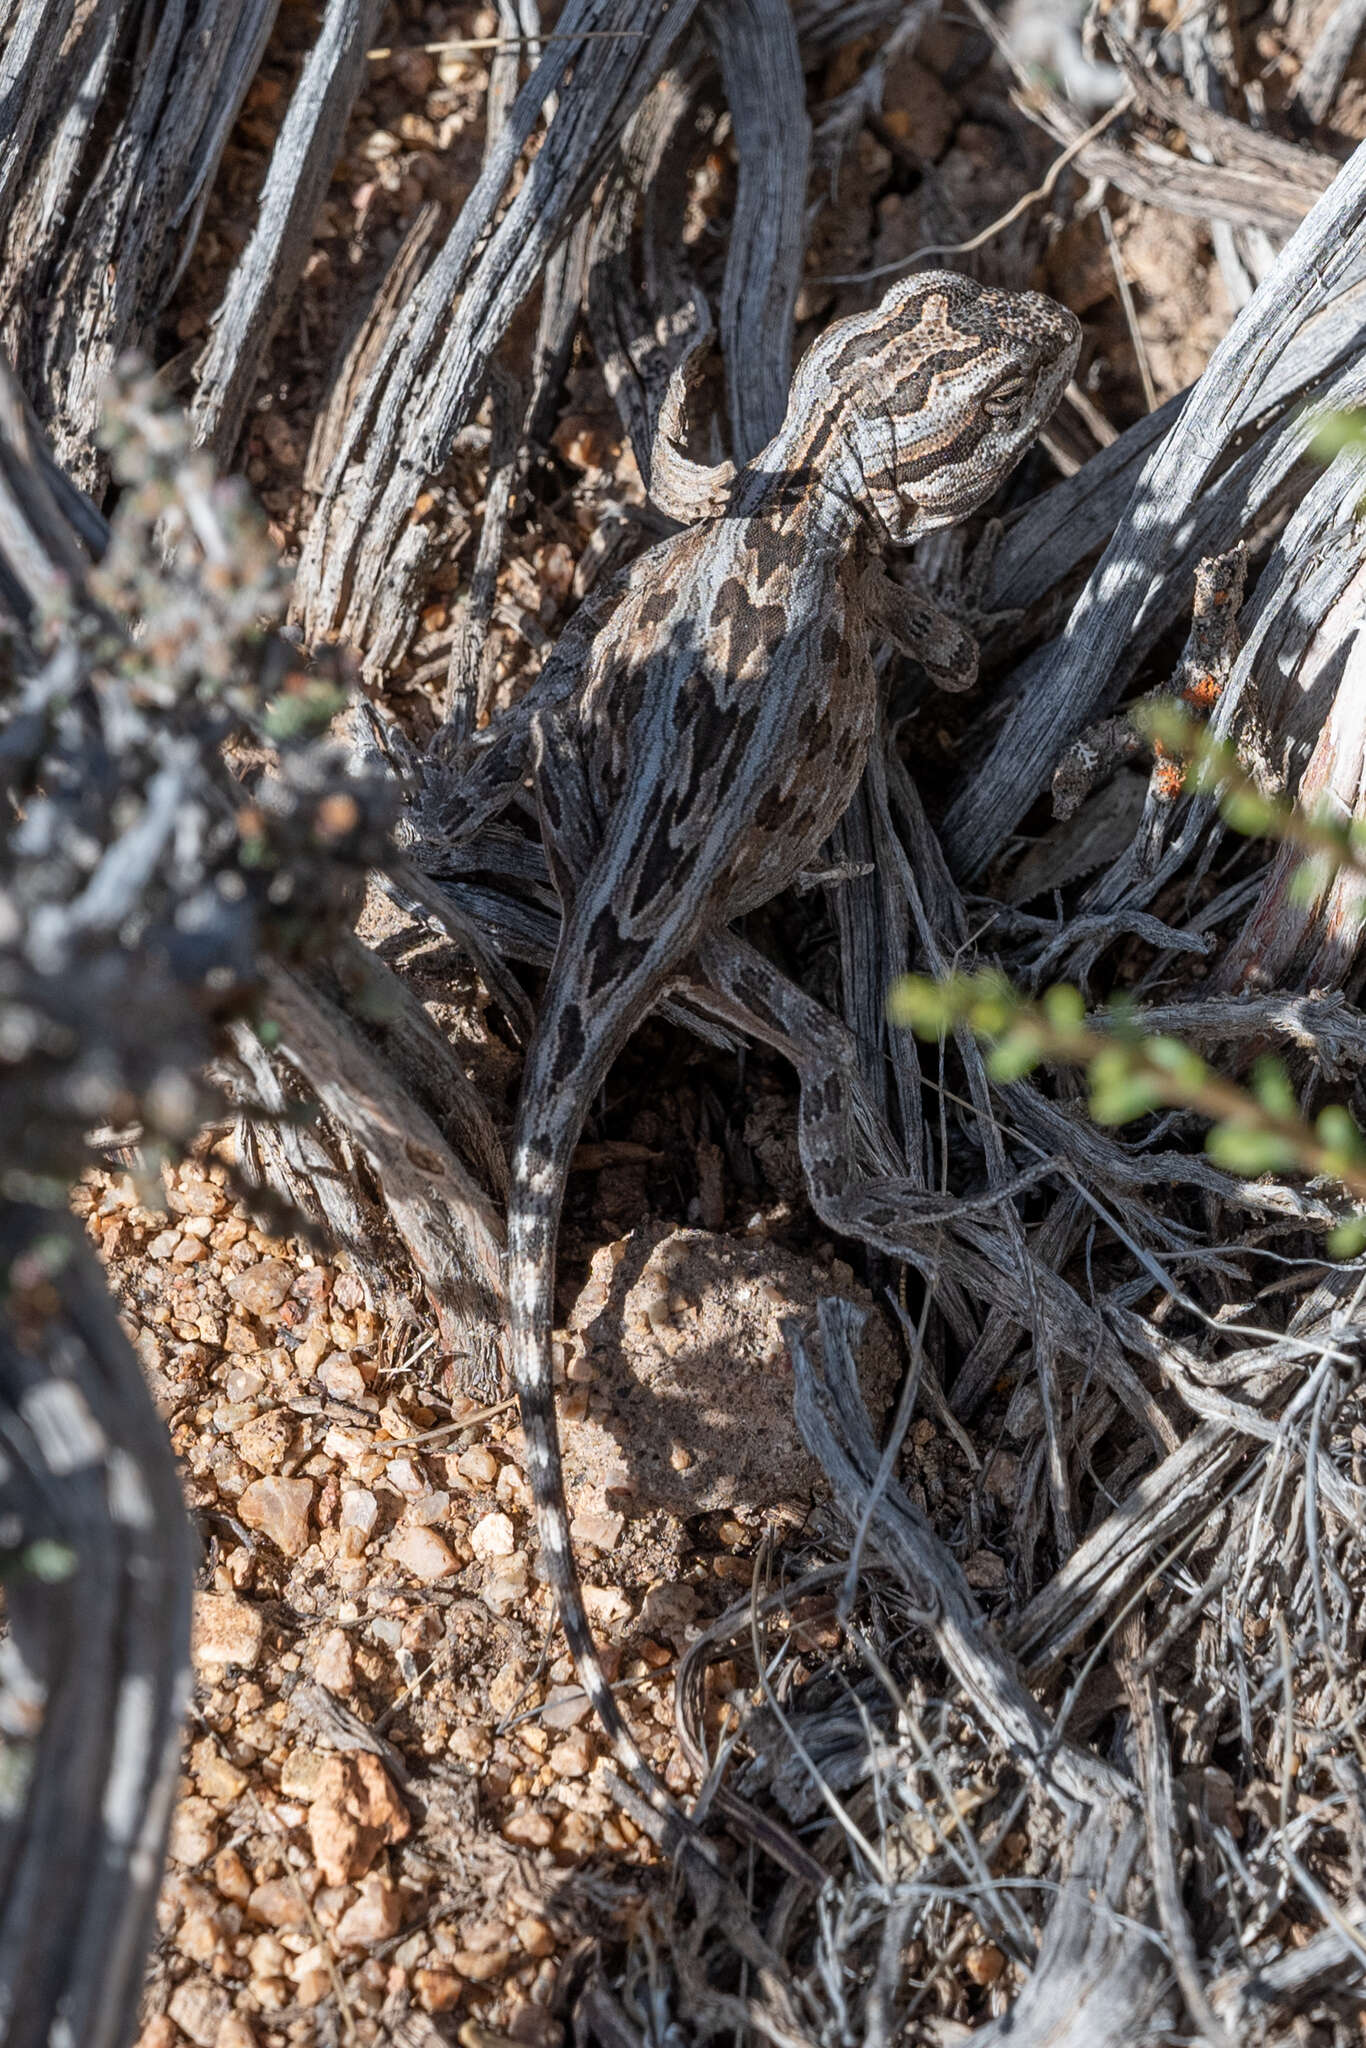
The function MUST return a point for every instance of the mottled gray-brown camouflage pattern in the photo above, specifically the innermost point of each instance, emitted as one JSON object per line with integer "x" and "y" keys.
{"x": 722, "y": 726}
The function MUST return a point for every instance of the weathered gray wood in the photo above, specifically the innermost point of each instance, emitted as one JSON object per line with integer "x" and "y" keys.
{"x": 31, "y": 34}
{"x": 756, "y": 46}
{"x": 835, "y": 1427}
{"x": 1099, "y": 1976}
{"x": 1065, "y": 526}
{"x": 1072, "y": 684}
{"x": 271, "y": 264}
{"x": 446, "y": 1221}
{"x": 137, "y": 220}
{"x": 641, "y": 330}
{"x": 96, "y": 1675}
{"x": 1324, "y": 68}
{"x": 362, "y": 558}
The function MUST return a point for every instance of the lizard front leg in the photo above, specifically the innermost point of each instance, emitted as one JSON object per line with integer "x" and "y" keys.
{"x": 906, "y": 615}
{"x": 683, "y": 489}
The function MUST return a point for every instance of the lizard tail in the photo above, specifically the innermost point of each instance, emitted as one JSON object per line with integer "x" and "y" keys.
{"x": 547, "y": 1130}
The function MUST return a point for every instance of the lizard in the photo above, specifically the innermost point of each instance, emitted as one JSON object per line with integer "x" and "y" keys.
{"x": 720, "y": 723}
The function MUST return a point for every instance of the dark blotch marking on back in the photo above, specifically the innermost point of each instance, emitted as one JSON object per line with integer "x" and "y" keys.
{"x": 609, "y": 954}
{"x": 768, "y": 548}
{"x": 570, "y": 1042}
{"x": 726, "y": 735}
{"x": 662, "y": 867}
{"x": 755, "y": 630}
{"x": 657, "y": 605}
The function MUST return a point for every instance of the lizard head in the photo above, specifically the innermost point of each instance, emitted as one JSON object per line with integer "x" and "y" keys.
{"x": 938, "y": 392}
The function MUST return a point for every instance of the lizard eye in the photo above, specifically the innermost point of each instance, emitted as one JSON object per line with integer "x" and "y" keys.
{"x": 1006, "y": 400}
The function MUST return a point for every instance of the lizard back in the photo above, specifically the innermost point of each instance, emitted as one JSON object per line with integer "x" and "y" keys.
{"x": 721, "y": 730}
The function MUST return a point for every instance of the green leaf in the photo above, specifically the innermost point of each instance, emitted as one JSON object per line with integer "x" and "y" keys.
{"x": 1120, "y": 1089}
{"x": 1338, "y": 1133}
{"x": 1245, "y": 811}
{"x": 1336, "y": 431}
{"x": 1172, "y": 1056}
{"x": 993, "y": 1008}
{"x": 1271, "y": 1086}
{"x": 302, "y": 713}
{"x": 1011, "y": 1058}
{"x": 1167, "y": 722}
{"x": 1064, "y": 1007}
{"x": 1347, "y": 1240}
{"x": 921, "y": 1005}
{"x": 1248, "y": 1150}
{"x": 48, "y": 1560}
{"x": 1310, "y": 880}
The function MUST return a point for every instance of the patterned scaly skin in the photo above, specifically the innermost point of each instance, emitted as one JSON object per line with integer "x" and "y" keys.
{"x": 722, "y": 727}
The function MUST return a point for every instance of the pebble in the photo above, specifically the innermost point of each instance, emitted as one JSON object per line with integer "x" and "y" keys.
{"x": 576, "y": 1835}
{"x": 160, "y": 2032}
{"x": 573, "y": 1758}
{"x": 479, "y": 1466}
{"x": 565, "y": 1707}
{"x": 406, "y": 1477}
{"x": 226, "y": 1631}
{"x": 512, "y": 1488}
{"x": 272, "y": 1994}
{"x": 194, "y": 1832}
{"x": 266, "y": 1441}
{"x": 493, "y": 1536}
{"x": 437, "y": 1990}
{"x": 471, "y": 1742}
{"x": 231, "y": 1877}
{"x": 163, "y": 1244}
{"x": 198, "y": 1937}
{"x": 505, "y": 1585}
{"x": 602, "y": 1531}
{"x": 535, "y": 1937}
{"x": 422, "y": 1552}
{"x": 199, "y": 2009}
{"x": 342, "y": 1379}
{"x": 335, "y": 1664}
{"x": 314, "y": 1348}
{"x": 267, "y": 1956}
{"x": 261, "y": 1288}
{"x": 356, "y": 1813}
{"x": 311, "y": 1975}
{"x": 359, "y": 1510}
{"x": 482, "y": 1968}
{"x": 279, "y": 1508}
{"x": 301, "y": 1773}
{"x": 530, "y": 1830}
{"x": 376, "y": 1915}
{"x": 606, "y": 1605}
{"x": 984, "y": 1962}
{"x": 277, "y": 1903}
{"x": 216, "y": 1778}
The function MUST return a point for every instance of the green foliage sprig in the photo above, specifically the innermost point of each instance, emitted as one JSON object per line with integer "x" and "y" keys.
{"x": 1253, "y": 1130}
{"x": 1329, "y": 841}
